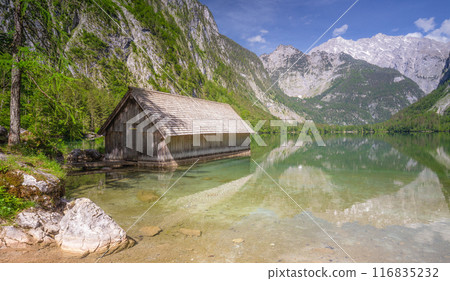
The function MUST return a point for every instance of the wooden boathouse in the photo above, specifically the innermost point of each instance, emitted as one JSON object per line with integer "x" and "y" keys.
{"x": 154, "y": 128}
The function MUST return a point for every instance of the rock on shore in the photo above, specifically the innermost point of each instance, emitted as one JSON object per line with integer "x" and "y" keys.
{"x": 40, "y": 187}
{"x": 33, "y": 226}
{"x": 87, "y": 155}
{"x": 79, "y": 226}
{"x": 83, "y": 228}
{"x": 86, "y": 228}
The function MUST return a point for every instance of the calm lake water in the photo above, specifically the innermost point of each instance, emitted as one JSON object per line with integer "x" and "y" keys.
{"x": 382, "y": 199}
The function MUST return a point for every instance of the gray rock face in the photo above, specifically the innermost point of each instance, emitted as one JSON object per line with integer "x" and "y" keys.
{"x": 43, "y": 186}
{"x": 13, "y": 237}
{"x": 49, "y": 221}
{"x": 28, "y": 219}
{"x": 308, "y": 75}
{"x": 443, "y": 103}
{"x": 445, "y": 72}
{"x": 86, "y": 228}
{"x": 38, "y": 218}
{"x": 420, "y": 59}
{"x": 38, "y": 234}
{"x": 39, "y": 224}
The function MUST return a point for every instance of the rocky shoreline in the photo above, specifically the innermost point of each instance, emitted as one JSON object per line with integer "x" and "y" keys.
{"x": 79, "y": 226}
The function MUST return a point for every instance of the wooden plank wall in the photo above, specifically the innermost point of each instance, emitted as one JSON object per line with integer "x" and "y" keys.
{"x": 182, "y": 146}
{"x": 115, "y": 136}
{"x": 179, "y": 147}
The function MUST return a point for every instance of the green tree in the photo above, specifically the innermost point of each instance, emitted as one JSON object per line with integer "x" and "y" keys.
{"x": 16, "y": 76}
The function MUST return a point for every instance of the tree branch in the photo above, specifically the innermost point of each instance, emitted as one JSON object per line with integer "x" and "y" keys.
{"x": 39, "y": 88}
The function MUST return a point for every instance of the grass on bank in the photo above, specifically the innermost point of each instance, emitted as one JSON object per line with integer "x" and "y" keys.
{"x": 19, "y": 158}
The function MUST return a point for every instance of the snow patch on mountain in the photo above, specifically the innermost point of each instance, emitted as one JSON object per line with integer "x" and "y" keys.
{"x": 420, "y": 59}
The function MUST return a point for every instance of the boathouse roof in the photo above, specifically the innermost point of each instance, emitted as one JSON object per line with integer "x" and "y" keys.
{"x": 179, "y": 112}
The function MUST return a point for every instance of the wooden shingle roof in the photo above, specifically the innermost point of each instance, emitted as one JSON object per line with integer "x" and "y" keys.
{"x": 180, "y": 113}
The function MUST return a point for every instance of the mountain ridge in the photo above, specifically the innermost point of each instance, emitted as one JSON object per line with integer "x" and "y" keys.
{"x": 420, "y": 59}
{"x": 338, "y": 89}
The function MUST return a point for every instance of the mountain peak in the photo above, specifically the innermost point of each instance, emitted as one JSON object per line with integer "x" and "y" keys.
{"x": 381, "y": 35}
{"x": 280, "y": 57}
{"x": 287, "y": 49}
{"x": 420, "y": 59}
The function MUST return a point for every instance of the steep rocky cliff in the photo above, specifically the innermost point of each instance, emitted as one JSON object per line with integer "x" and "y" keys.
{"x": 167, "y": 45}
{"x": 310, "y": 76}
{"x": 445, "y": 72}
{"x": 338, "y": 89}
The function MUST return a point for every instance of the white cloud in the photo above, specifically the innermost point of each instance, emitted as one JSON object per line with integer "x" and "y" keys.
{"x": 445, "y": 27}
{"x": 438, "y": 37}
{"x": 425, "y": 24}
{"x": 256, "y": 39}
{"x": 441, "y": 34}
{"x": 340, "y": 30}
{"x": 415, "y": 35}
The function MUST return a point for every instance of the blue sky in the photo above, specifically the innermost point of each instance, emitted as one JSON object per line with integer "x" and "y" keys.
{"x": 261, "y": 25}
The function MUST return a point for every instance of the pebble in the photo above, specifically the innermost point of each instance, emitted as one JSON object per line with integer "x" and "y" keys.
{"x": 238, "y": 240}
{"x": 150, "y": 230}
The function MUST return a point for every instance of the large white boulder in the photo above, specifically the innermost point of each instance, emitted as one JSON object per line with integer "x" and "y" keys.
{"x": 85, "y": 228}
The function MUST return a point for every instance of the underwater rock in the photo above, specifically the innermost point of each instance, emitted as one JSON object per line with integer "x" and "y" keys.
{"x": 147, "y": 196}
{"x": 190, "y": 232}
{"x": 238, "y": 240}
{"x": 150, "y": 230}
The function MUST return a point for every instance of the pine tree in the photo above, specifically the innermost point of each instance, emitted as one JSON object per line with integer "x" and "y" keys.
{"x": 16, "y": 76}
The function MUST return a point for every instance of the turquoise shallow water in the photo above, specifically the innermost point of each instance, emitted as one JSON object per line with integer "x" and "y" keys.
{"x": 382, "y": 199}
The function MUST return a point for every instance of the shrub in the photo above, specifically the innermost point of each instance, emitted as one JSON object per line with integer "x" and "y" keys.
{"x": 10, "y": 205}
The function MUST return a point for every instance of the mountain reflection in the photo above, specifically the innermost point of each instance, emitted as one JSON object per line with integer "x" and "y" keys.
{"x": 369, "y": 180}
{"x": 363, "y": 180}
